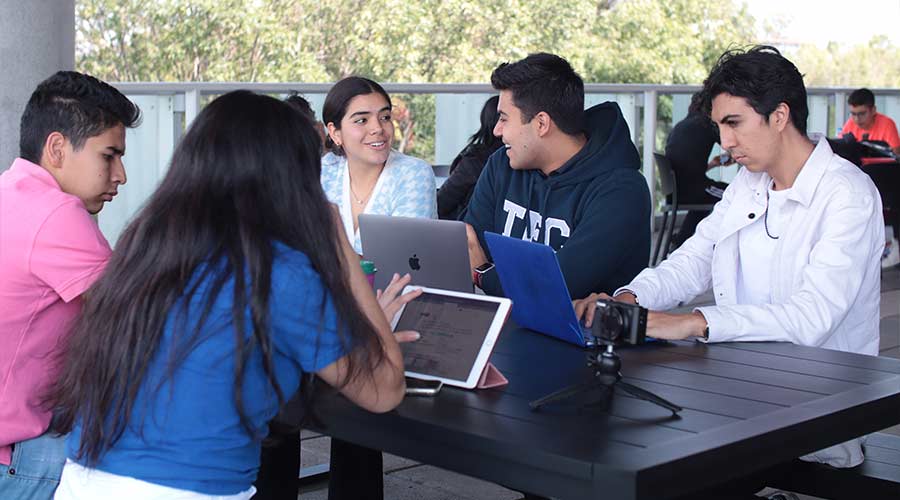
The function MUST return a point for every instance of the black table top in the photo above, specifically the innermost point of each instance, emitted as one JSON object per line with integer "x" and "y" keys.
{"x": 746, "y": 406}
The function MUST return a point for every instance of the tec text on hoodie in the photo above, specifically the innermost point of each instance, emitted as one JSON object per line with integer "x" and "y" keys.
{"x": 594, "y": 211}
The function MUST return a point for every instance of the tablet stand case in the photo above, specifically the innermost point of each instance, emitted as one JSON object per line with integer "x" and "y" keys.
{"x": 491, "y": 377}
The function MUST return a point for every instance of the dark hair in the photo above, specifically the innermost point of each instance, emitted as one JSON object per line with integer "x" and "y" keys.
{"x": 245, "y": 175}
{"x": 696, "y": 105}
{"x": 763, "y": 77}
{"x": 339, "y": 98}
{"x": 302, "y": 105}
{"x": 544, "y": 82}
{"x": 76, "y": 105}
{"x": 485, "y": 138}
{"x": 861, "y": 97}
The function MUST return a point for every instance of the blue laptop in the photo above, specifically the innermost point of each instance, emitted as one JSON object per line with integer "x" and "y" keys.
{"x": 531, "y": 277}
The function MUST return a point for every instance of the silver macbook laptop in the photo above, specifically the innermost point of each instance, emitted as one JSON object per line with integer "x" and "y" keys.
{"x": 435, "y": 252}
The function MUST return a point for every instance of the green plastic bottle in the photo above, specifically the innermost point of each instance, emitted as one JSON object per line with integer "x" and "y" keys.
{"x": 369, "y": 270}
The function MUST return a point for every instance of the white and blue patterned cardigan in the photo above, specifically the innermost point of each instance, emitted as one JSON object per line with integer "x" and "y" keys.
{"x": 405, "y": 188}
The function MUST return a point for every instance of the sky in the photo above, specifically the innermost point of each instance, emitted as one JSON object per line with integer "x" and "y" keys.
{"x": 821, "y": 21}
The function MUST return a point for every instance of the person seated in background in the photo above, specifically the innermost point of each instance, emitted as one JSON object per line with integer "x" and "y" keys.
{"x": 792, "y": 250}
{"x": 867, "y": 124}
{"x": 302, "y": 105}
{"x": 453, "y": 197}
{"x": 71, "y": 143}
{"x": 232, "y": 282}
{"x": 688, "y": 147}
{"x": 361, "y": 173}
{"x": 567, "y": 178}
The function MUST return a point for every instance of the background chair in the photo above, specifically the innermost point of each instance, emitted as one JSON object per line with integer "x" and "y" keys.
{"x": 668, "y": 181}
{"x": 668, "y": 187}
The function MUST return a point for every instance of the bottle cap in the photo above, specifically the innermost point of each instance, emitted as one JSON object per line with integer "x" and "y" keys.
{"x": 368, "y": 266}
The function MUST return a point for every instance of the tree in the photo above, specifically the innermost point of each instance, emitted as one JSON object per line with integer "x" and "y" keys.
{"x": 876, "y": 64}
{"x": 619, "y": 41}
{"x": 664, "y": 42}
{"x": 197, "y": 40}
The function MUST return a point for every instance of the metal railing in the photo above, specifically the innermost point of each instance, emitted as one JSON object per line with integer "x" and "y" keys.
{"x": 170, "y": 107}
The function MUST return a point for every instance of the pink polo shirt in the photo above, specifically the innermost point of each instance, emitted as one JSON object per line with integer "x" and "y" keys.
{"x": 51, "y": 251}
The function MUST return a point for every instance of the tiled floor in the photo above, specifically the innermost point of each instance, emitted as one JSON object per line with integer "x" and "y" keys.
{"x": 405, "y": 479}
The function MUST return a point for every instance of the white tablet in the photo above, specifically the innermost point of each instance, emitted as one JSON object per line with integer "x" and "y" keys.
{"x": 458, "y": 331}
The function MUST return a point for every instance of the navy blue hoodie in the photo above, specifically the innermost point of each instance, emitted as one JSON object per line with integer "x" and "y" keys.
{"x": 594, "y": 210}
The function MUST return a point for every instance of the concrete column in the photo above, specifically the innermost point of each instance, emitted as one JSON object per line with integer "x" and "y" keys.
{"x": 37, "y": 38}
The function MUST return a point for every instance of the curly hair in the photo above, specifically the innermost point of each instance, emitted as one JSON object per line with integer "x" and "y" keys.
{"x": 763, "y": 77}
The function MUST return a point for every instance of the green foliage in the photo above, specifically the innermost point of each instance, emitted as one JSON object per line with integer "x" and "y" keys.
{"x": 876, "y": 64}
{"x": 197, "y": 40}
{"x": 615, "y": 41}
{"x": 414, "y": 124}
{"x": 620, "y": 41}
{"x": 676, "y": 41}
{"x": 400, "y": 40}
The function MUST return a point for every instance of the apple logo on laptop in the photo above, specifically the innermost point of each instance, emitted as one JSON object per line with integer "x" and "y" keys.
{"x": 414, "y": 263}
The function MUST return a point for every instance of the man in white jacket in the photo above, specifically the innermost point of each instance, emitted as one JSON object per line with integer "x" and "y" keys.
{"x": 792, "y": 252}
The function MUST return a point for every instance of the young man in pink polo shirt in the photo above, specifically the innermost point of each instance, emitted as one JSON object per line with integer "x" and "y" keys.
{"x": 72, "y": 139}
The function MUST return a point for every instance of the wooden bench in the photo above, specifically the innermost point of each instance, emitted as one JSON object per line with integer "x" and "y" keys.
{"x": 878, "y": 477}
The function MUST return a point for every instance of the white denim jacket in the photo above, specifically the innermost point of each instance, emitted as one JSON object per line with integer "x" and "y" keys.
{"x": 825, "y": 272}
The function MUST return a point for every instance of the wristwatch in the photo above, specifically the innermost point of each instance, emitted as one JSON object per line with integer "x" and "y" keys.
{"x": 479, "y": 272}
{"x": 706, "y": 328}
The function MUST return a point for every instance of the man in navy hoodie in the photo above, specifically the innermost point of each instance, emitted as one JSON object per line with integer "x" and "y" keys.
{"x": 567, "y": 178}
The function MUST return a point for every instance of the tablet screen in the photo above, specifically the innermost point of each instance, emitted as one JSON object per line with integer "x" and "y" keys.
{"x": 452, "y": 331}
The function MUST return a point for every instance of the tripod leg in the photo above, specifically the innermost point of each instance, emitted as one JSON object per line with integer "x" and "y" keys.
{"x": 648, "y": 396}
{"x": 563, "y": 393}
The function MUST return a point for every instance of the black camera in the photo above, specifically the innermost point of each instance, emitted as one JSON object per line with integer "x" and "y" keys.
{"x": 619, "y": 323}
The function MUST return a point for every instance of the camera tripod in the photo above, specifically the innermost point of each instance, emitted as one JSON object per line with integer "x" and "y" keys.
{"x": 606, "y": 366}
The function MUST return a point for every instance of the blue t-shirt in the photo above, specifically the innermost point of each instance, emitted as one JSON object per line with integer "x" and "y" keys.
{"x": 188, "y": 434}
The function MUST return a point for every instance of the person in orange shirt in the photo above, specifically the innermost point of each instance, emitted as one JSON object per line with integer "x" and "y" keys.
{"x": 867, "y": 124}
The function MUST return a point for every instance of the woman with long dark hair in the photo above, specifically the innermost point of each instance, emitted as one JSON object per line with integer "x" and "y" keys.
{"x": 361, "y": 173}
{"x": 230, "y": 285}
{"x": 453, "y": 197}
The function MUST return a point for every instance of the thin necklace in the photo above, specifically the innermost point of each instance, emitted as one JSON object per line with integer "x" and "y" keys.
{"x": 766, "y": 218}
{"x": 356, "y": 198}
